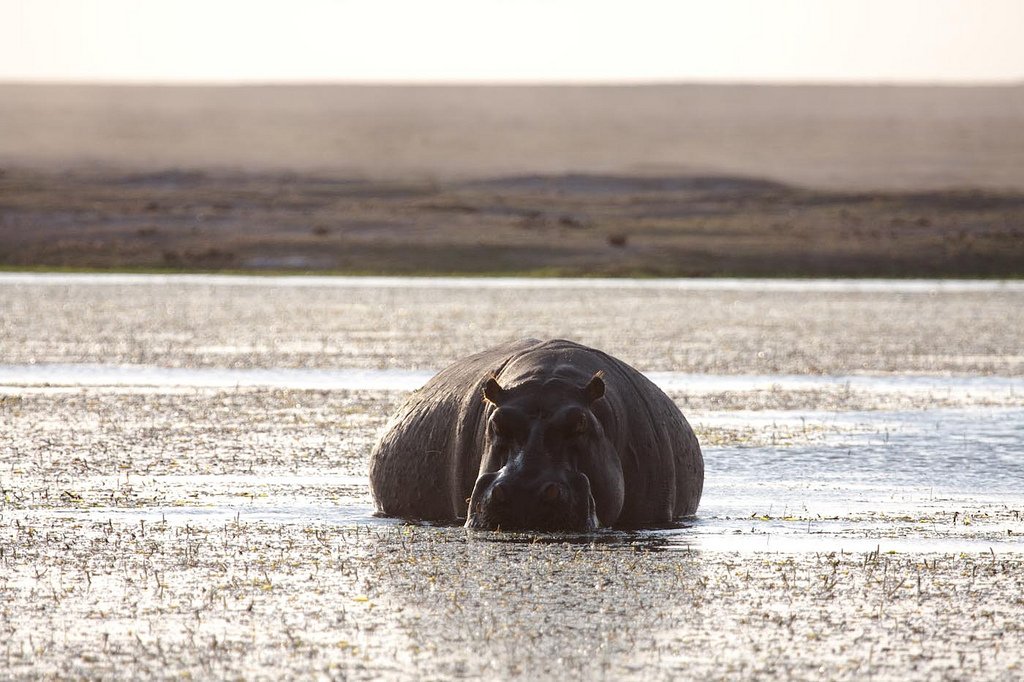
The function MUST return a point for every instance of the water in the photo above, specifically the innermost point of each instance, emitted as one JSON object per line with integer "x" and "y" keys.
{"x": 141, "y": 376}
{"x": 936, "y": 480}
{"x": 97, "y": 375}
{"x": 949, "y": 479}
{"x": 907, "y": 286}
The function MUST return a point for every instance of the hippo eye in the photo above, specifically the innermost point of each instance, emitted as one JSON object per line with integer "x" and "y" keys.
{"x": 576, "y": 423}
{"x": 506, "y": 422}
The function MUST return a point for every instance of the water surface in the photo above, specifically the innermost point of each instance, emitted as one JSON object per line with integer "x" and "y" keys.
{"x": 809, "y": 480}
{"x": 99, "y": 375}
{"x": 906, "y": 286}
{"x": 946, "y": 479}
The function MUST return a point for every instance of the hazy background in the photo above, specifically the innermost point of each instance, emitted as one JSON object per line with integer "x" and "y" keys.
{"x": 827, "y": 138}
{"x": 840, "y": 137}
{"x": 832, "y": 93}
{"x": 863, "y": 41}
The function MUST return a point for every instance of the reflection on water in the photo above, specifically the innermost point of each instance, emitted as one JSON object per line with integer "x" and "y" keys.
{"x": 76, "y": 375}
{"x": 345, "y": 513}
{"x": 934, "y": 481}
{"x": 891, "y": 532}
{"x": 883, "y": 455}
{"x": 942, "y": 480}
{"x": 95, "y": 375}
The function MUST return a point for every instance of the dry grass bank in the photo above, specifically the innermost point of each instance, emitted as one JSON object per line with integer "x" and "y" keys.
{"x": 563, "y": 224}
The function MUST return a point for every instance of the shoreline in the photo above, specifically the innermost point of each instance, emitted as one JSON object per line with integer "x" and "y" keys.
{"x": 532, "y": 276}
{"x": 543, "y": 226}
{"x": 314, "y": 278}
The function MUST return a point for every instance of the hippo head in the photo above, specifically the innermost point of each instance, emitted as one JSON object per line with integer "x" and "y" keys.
{"x": 547, "y": 463}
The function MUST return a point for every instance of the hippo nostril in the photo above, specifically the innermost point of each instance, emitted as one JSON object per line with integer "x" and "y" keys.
{"x": 498, "y": 493}
{"x": 550, "y": 492}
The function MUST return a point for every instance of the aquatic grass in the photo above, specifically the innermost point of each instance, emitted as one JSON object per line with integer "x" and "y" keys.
{"x": 405, "y": 584}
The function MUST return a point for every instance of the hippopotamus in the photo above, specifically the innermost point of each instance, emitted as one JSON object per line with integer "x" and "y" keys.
{"x": 538, "y": 435}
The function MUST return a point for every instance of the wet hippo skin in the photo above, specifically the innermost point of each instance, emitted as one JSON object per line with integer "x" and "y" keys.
{"x": 538, "y": 435}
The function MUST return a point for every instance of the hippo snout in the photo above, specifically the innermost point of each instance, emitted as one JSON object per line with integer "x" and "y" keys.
{"x": 506, "y": 501}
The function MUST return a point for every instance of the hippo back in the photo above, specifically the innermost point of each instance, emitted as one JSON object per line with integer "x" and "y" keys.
{"x": 426, "y": 462}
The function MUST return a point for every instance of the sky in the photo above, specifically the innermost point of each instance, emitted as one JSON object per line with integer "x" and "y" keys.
{"x": 428, "y": 41}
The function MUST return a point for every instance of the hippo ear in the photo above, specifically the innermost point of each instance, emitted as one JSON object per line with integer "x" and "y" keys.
{"x": 493, "y": 392}
{"x": 595, "y": 389}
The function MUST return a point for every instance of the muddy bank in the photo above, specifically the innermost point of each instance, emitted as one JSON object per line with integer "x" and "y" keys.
{"x": 616, "y": 225}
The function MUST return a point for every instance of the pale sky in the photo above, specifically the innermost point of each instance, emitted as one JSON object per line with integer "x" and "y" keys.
{"x": 959, "y": 41}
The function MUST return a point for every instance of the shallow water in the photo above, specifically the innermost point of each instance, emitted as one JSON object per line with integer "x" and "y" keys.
{"x": 937, "y": 465}
{"x": 742, "y": 327}
{"x": 217, "y": 522}
{"x": 924, "y": 286}
{"x": 78, "y": 375}
{"x": 936, "y": 480}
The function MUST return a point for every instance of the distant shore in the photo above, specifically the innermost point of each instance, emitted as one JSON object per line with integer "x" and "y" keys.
{"x": 612, "y": 181}
{"x": 526, "y": 225}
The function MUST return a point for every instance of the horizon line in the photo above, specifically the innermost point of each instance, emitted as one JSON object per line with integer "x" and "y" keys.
{"x": 512, "y": 83}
